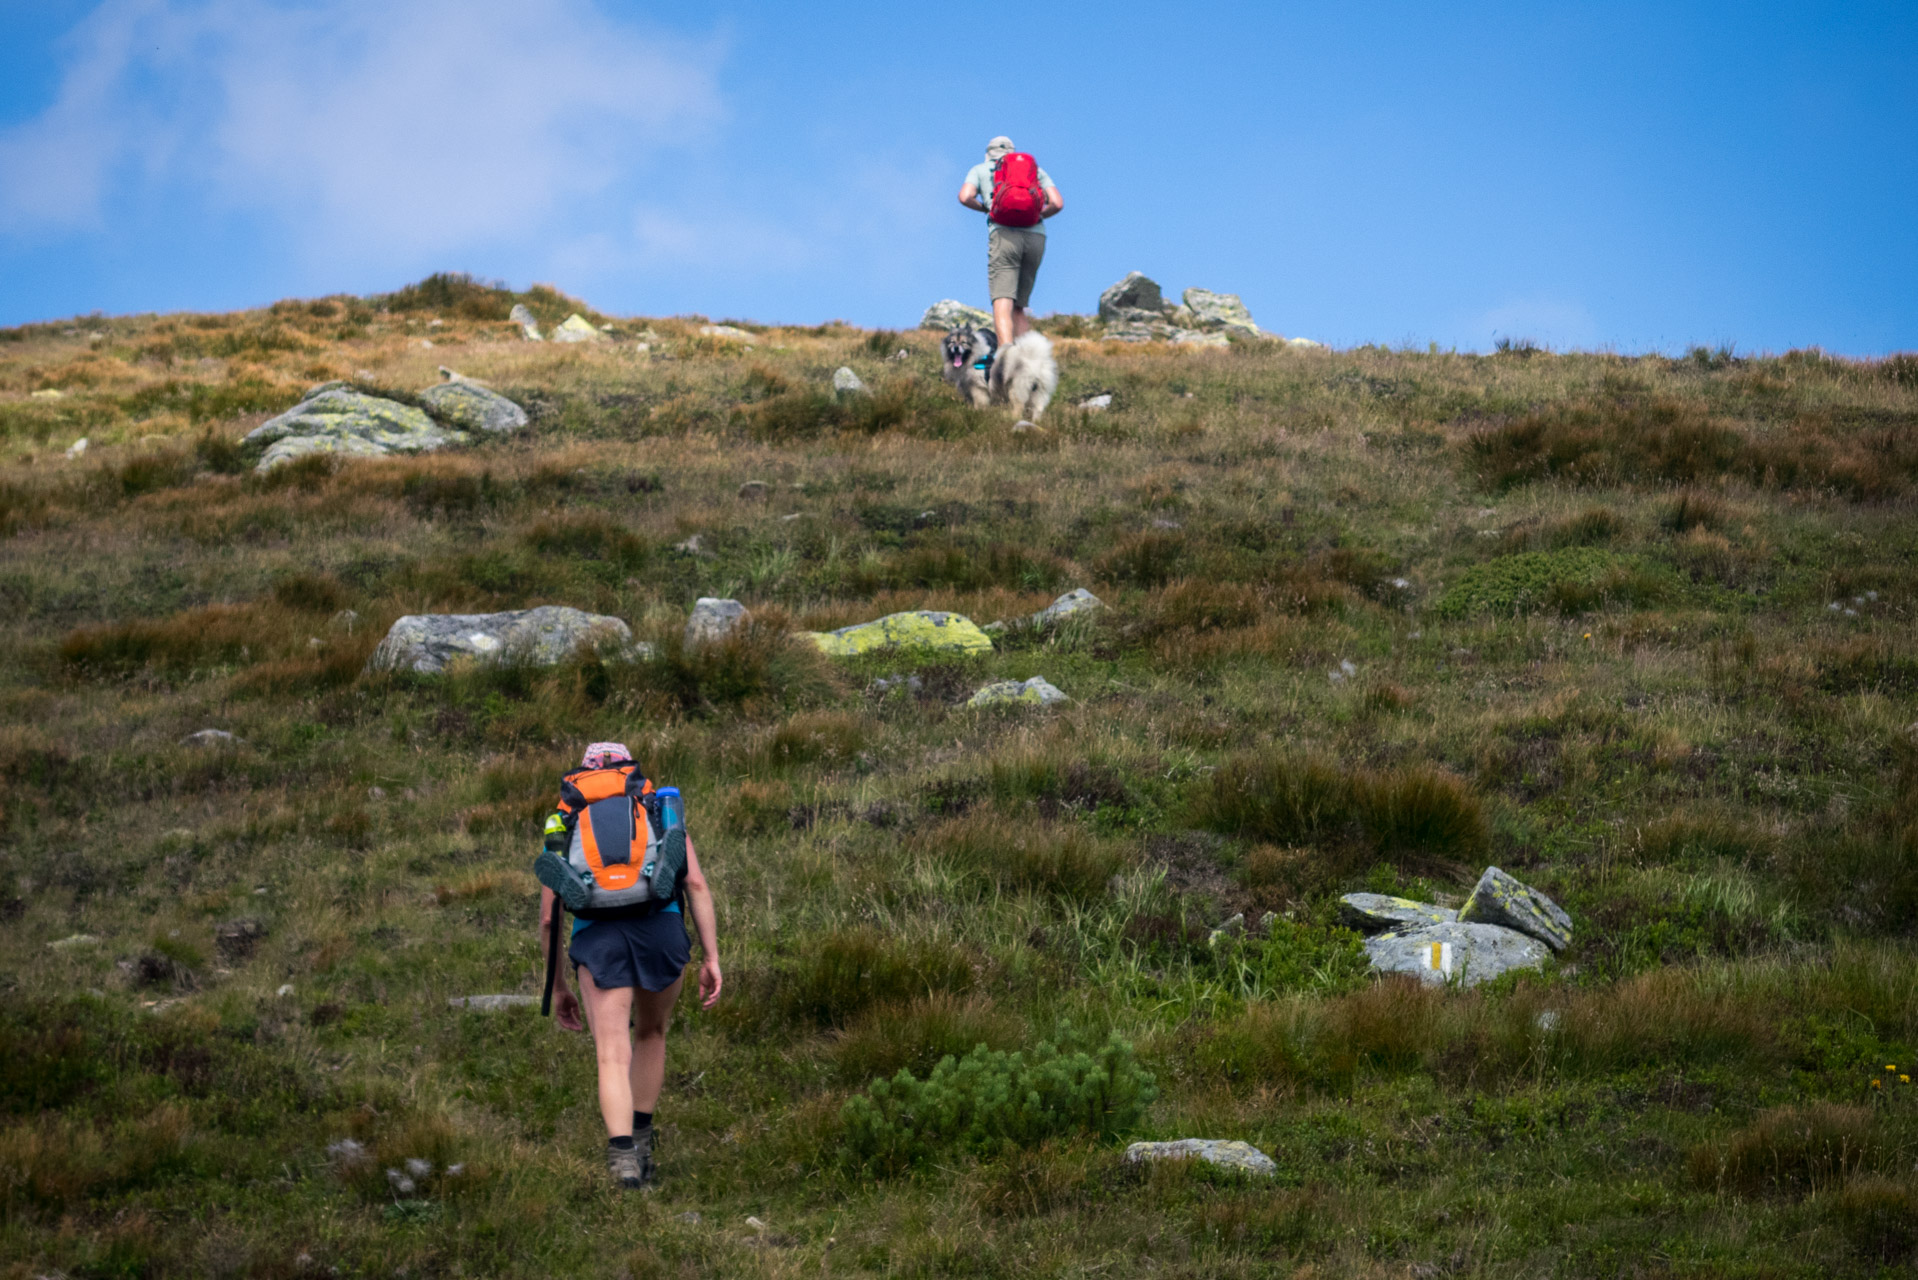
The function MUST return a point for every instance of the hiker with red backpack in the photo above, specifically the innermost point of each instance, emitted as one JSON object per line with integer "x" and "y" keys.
{"x": 1017, "y": 196}
{"x": 617, "y": 857}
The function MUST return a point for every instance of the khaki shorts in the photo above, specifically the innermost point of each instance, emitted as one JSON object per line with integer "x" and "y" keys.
{"x": 1013, "y": 255}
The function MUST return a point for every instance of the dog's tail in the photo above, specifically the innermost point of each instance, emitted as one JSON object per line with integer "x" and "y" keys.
{"x": 1031, "y": 373}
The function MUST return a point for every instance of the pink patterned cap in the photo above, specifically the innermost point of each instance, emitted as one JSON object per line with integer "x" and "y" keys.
{"x": 601, "y": 754}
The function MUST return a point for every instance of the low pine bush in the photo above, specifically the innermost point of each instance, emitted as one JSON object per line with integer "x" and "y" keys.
{"x": 991, "y": 1101}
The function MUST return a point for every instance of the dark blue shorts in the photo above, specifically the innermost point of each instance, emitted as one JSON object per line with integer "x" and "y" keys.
{"x": 649, "y": 952}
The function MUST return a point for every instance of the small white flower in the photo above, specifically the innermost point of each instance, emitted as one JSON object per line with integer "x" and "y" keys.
{"x": 419, "y": 1168}
{"x": 455, "y": 1170}
{"x": 401, "y": 1183}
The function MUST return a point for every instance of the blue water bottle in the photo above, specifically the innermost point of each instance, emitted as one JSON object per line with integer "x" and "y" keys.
{"x": 672, "y": 810}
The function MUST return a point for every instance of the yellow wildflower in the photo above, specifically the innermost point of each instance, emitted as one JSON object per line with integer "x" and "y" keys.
{"x": 1903, "y": 1079}
{"x": 1877, "y": 1084}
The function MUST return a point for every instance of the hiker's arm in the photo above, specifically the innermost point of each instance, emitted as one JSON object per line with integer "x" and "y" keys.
{"x": 565, "y": 1003}
{"x": 969, "y": 197}
{"x": 1054, "y": 202}
{"x": 700, "y": 898}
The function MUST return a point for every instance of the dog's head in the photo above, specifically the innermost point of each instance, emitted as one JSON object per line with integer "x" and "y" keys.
{"x": 964, "y": 345}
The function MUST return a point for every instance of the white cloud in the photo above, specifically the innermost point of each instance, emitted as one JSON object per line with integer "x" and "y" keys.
{"x": 379, "y": 128}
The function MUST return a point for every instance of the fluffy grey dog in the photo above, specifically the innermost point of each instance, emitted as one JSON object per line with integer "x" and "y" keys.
{"x": 1024, "y": 375}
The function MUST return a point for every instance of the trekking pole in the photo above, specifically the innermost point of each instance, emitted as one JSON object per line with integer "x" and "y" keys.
{"x": 552, "y": 963}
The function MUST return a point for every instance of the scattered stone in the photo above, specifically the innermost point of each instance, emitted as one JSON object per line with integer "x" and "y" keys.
{"x": 528, "y": 326}
{"x": 1211, "y": 310}
{"x": 846, "y": 383}
{"x": 1371, "y": 912}
{"x": 1077, "y": 600}
{"x": 426, "y": 643}
{"x": 286, "y": 989}
{"x": 1022, "y": 426}
{"x": 576, "y": 328}
{"x": 917, "y": 629}
{"x": 376, "y": 793}
{"x": 77, "y": 448}
{"x": 1266, "y": 921}
{"x": 1304, "y": 344}
{"x": 471, "y": 407}
{"x": 1232, "y": 928}
{"x": 1459, "y": 952}
{"x": 333, "y": 419}
{"x": 237, "y": 939}
{"x": 1224, "y": 1152}
{"x": 1136, "y": 299}
{"x": 1037, "y": 692}
{"x": 1161, "y": 522}
{"x": 712, "y": 620}
{"x": 345, "y": 620}
{"x": 47, "y": 393}
{"x": 1503, "y": 900}
{"x": 208, "y": 738}
{"x": 491, "y": 1004}
{"x": 755, "y": 491}
{"x": 73, "y": 941}
{"x": 1547, "y": 1020}
{"x": 886, "y": 684}
{"x": 723, "y": 331}
{"x": 1092, "y": 404}
{"x": 692, "y": 547}
{"x": 948, "y": 313}
{"x": 901, "y": 354}
{"x": 1197, "y": 338}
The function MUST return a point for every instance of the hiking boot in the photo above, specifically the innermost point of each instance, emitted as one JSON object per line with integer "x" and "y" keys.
{"x": 626, "y": 1166}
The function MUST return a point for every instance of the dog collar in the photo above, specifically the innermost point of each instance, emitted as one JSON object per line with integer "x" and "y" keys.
{"x": 982, "y": 364}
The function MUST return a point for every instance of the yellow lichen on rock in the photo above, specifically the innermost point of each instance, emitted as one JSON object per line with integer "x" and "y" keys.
{"x": 918, "y": 629}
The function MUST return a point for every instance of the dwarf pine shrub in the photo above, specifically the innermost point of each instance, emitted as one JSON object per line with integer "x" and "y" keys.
{"x": 989, "y": 1101}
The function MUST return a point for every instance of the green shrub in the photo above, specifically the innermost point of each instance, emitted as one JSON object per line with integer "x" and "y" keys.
{"x": 1570, "y": 579}
{"x": 991, "y": 1101}
{"x": 1301, "y": 956}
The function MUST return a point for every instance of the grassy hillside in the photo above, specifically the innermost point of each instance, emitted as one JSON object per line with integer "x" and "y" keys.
{"x": 1637, "y": 630}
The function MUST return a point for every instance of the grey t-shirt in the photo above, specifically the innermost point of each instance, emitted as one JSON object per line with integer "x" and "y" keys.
{"x": 979, "y": 177}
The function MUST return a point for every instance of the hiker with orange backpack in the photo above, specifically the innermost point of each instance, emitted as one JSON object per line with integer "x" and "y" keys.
{"x": 618, "y": 858}
{"x": 1017, "y": 196}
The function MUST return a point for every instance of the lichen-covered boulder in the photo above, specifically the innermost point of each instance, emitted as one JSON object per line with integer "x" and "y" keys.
{"x": 1036, "y": 692}
{"x": 919, "y": 629}
{"x": 947, "y": 312}
{"x": 528, "y": 325}
{"x": 1198, "y": 338}
{"x": 1503, "y": 900}
{"x": 712, "y": 620}
{"x": 428, "y": 643}
{"x": 1137, "y": 331}
{"x": 1371, "y": 912}
{"x": 471, "y": 407}
{"x": 1227, "y": 1153}
{"x": 1135, "y": 299}
{"x": 846, "y": 383}
{"x": 1467, "y": 954}
{"x": 336, "y": 419}
{"x": 577, "y": 328}
{"x": 1220, "y": 311}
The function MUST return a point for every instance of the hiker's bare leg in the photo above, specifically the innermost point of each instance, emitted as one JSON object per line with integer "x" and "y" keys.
{"x": 1021, "y": 321}
{"x": 652, "y": 1014}
{"x": 1003, "y": 321}
{"x": 608, "y": 1012}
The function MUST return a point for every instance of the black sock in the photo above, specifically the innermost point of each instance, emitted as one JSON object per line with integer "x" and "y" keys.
{"x": 642, "y": 1120}
{"x": 624, "y": 1143}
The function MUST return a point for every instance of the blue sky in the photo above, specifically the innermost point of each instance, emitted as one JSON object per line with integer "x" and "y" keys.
{"x": 1614, "y": 175}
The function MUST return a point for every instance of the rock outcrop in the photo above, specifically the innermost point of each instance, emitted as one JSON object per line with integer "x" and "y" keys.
{"x": 1467, "y": 954}
{"x": 846, "y": 383}
{"x": 1503, "y": 900}
{"x": 577, "y": 328}
{"x": 1227, "y": 1153}
{"x": 472, "y": 407}
{"x": 712, "y": 620}
{"x": 1135, "y": 310}
{"x": 528, "y": 326}
{"x": 919, "y": 629}
{"x": 1077, "y": 600}
{"x": 1220, "y": 311}
{"x": 1036, "y": 692}
{"x": 1370, "y": 912}
{"x": 428, "y": 643}
{"x": 947, "y": 312}
{"x": 1136, "y": 299}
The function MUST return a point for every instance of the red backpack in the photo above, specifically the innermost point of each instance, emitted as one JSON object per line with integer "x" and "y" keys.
{"x": 1017, "y": 199}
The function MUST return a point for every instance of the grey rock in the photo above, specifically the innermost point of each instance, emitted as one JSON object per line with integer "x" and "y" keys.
{"x": 692, "y": 547}
{"x": 948, "y": 313}
{"x": 1093, "y": 404}
{"x": 846, "y": 383}
{"x": 1371, "y": 912}
{"x": 72, "y": 941}
{"x": 712, "y": 620}
{"x": 208, "y": 738}
{"x": 886, "y": 684}
{"x": 1232, "y": 928}
{"x": 1464, "y": 953}
{"x": 1304, "y": 344}
{"x": 755, "y": 491}
{"x": 1077, "y": 600}
{"x": 724, "y": 331}
{"x": 1503, "y": 900}
{"x": 1197, "y": 338}
{"x": 576, "y": 328}
{"x": 334, "y": 419}
{"x": 1220, "y": 311}
{"x": 491, "y": 1004}
{"x": 470, "y": 407}
{"x": 345, "y": 620}
{"x": 528, "y": 326}
{"x": 1135, "y": 298}
{"x": 426, "y": 643}
{"x": 1037, "y": 692}
{"x": 1263, "y": 929}
{"x": 1137, "y": 331}
{"x": 1225, "y": 1152}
